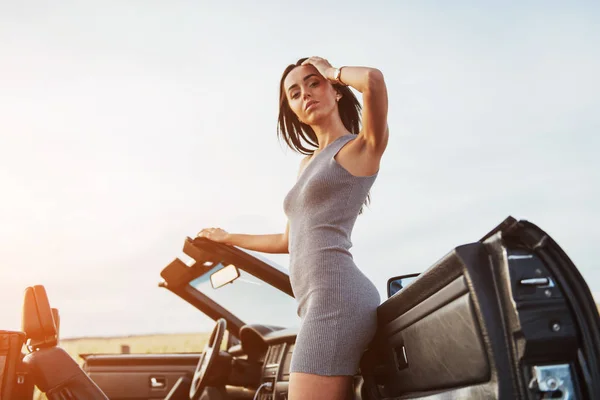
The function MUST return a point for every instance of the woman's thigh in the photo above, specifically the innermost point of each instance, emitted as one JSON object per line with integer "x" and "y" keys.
{"x": 317, "y": 387}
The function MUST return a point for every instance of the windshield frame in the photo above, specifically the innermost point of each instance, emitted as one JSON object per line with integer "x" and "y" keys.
{"x": 178, "y": 275}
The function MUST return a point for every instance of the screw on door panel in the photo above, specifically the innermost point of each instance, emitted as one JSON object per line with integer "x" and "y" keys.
{"x": 552, "y": 381}
{"x": 556, "y": 327}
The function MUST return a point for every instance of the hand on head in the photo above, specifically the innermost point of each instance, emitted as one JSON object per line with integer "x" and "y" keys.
{"x": 321, "y": 64}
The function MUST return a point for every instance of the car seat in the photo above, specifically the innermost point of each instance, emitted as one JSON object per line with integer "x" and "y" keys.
{"x": 53, "y": 371}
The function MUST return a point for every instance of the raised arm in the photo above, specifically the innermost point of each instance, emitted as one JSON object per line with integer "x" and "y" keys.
{"x": 369, "y": 82}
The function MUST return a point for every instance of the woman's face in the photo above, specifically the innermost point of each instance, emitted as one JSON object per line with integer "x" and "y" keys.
{"x": 310, "y": 96}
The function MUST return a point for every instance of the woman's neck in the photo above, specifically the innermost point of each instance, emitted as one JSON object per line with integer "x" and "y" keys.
{"x": 329, "y": 131}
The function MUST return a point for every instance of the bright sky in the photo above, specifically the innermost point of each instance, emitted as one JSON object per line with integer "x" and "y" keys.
{"x": 127, "y": 126}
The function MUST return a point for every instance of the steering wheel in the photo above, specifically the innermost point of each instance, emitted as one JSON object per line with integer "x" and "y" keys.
{"x": 207, "y": 359}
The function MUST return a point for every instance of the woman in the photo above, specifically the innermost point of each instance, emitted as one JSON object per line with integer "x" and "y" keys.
{"x": 336, "y": 302}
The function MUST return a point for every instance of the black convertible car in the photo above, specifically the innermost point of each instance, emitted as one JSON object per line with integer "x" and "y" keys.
{"x": 505, "y": 317}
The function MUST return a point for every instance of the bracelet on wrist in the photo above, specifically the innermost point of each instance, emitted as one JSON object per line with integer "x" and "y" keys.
{"x": 337, "y": 76}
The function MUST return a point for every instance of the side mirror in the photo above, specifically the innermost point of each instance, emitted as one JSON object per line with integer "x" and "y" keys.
{"x": 224, "y": 276}
{"x": 398, "y": 283}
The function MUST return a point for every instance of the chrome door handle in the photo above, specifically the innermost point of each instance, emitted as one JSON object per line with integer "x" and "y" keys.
{"x": 537, "y": 282}
{"x": 157, "y": 383}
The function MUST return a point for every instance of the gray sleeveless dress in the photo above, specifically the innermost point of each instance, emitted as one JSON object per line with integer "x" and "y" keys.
{"x": 337, "y": 303}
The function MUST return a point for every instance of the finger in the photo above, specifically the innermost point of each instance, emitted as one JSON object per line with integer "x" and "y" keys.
{"x": 310, "y": 60}
{"x": 204, "y": 232}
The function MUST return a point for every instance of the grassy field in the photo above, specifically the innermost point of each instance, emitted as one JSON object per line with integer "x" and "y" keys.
{"x": 173, "y": 343}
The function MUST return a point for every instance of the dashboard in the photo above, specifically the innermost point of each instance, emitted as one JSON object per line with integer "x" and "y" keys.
{"x": 268, "y": 351}
{"x": 274, "y": 347}
{"x": 276, "y": 371}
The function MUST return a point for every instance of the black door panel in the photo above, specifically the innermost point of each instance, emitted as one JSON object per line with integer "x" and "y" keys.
{"x": 139, "y": 376}
{"x": 508, "y": 317}
{"x": 433, "y": 362}
{"x": 445, "y": 295}
{"x": 432, "y": 337}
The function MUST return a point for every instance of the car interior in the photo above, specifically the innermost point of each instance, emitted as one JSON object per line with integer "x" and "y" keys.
{"x": 505, "y": 317}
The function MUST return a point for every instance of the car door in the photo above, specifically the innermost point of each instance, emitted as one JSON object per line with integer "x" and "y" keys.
{"x": 507, "y": 317}
{"x": 138, "y": 376}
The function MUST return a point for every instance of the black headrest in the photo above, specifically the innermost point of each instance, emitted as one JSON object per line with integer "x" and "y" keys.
{"x": 38, "y": 320}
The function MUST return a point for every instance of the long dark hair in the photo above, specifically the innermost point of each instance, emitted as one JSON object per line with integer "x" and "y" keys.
{"x": 295, "y": 133}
